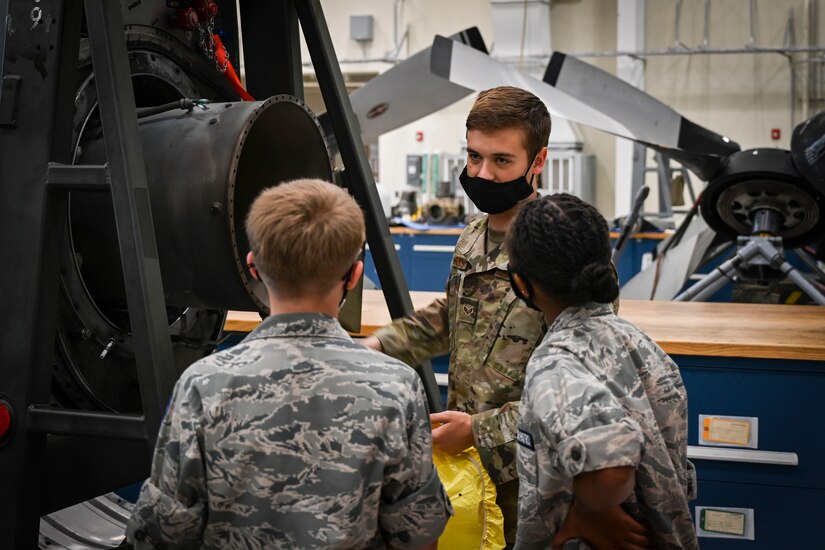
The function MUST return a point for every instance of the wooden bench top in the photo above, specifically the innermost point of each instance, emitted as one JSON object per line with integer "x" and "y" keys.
{"x": 401, "y": 230}
{"x": 681, "y": 328}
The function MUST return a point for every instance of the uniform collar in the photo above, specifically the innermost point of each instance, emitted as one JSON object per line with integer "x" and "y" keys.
{"x": 317, "y": 325}
{"x": 471, "y": 249}
{"x": 577, "y": 315}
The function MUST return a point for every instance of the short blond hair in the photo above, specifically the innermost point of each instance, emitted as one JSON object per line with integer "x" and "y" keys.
{"x": 304, "y": 232}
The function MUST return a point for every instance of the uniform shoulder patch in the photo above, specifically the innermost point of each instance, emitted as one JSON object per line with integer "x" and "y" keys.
{"x": 460, "y": 263}
{"x": 525, "y": 440}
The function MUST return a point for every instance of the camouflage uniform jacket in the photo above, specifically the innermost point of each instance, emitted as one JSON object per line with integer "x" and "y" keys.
{"x": 295, "y": 438}
{"x": 601, "y": 394}
{"x": 490, "y": 335}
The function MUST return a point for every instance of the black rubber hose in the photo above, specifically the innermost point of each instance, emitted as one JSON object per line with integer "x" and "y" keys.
{"x": 184, "y": 104}
{"x": 631, "y": 220}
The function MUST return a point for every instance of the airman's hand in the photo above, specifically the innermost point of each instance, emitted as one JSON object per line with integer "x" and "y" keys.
{"x": 452, "y": 431}
{"x": 374, "y": 343}
{"x": 611, "y": 529}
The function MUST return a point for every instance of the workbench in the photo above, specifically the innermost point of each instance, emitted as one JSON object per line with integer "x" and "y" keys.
{"x": 764, "y": 362}
{"x": 681, "y": 328}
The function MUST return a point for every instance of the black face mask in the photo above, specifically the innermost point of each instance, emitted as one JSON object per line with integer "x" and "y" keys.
{"x": 528, "y": 301}
{"x": 496, "y": 197}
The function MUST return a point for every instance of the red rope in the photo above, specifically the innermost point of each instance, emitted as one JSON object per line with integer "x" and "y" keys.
{"x": 220, "y": 54}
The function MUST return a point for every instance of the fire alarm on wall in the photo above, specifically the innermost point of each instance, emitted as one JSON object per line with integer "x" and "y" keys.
{"x": 419, "y": 136}
{"x": 776, "y": 133}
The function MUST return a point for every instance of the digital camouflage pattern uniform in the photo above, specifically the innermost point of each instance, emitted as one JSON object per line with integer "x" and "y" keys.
{"x": 295, "y": 438}
{"x": 490, "y": 335}
{"x": 601, "y": 394}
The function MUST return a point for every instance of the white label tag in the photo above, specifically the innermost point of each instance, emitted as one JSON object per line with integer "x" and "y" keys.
{"x": 725, "y": 522}
{"x": 734, "y": 431}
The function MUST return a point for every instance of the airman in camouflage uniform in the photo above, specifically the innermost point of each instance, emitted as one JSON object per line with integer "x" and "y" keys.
{"x": 490, "y": 335}
{"x": 600, "y": 394}
{"x": 295, "y": 438}
{"x": 487, "y": 331}
{"x": 602, "y": 456}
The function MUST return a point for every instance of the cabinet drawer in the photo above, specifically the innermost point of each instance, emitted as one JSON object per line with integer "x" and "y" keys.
{"x": 783, "y": 517}
{"x": 430, "y": 260}
{"x": 785, "y": 396}
{"x": 425, "y": 260}
{"x": 402, "y": 248}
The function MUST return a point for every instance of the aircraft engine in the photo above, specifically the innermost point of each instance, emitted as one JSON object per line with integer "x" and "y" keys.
{"x": 204, "y": 166}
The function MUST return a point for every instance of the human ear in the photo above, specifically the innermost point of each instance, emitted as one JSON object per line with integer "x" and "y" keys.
{"x": 355, "y": 274}
{"x": 541, "y": 159}
{"x": 250, "y": 264}
{"x": 522, "y": 287}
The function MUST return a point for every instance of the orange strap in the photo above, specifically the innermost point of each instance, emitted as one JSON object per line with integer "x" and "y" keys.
{"x": 220, "y": 55}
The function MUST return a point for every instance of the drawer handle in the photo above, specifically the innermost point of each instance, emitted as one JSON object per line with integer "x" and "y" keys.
{"x": 751, "y": 456}
{"x": 433, "y": 248}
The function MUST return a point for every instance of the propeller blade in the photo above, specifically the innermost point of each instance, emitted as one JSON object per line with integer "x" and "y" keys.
{"x": 478, "y": 71}
{"x": 405, "y": 93}
{"x": 648, "y": 120}
{"x": 604, "y": 109}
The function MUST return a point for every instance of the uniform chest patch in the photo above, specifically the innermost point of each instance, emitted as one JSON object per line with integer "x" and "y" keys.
{"x": 467, "y": 310}
{"x": 525, "y": 440}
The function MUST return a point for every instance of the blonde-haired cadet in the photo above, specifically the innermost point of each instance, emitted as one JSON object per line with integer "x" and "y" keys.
{"x": 298, "y": 437}
{"x": 304, "y": 234}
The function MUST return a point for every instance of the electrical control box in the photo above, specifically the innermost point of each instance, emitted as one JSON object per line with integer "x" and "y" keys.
{"x": 361, "y": 28}
{"x": 415, "y": 166}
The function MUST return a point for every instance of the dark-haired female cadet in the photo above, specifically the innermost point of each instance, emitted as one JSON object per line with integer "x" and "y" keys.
{"x": 603, "y": 421}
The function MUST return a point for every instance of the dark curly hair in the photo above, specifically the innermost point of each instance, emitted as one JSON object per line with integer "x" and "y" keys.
{"x": 561, "y": 243}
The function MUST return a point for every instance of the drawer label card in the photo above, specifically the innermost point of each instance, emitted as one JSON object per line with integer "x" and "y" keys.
{"x": 738, "y": 431}
{"x": 722, "y": 430}
{"x": 724, "y": 522}
{"x": 720, "y": 521}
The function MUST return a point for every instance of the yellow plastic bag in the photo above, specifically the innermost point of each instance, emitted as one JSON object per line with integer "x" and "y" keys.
{"x": 477, "y": 521}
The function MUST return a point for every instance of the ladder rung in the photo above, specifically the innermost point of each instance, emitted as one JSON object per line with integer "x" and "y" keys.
{"x": 52, "y": 420}
{"x": 78, "y": 177}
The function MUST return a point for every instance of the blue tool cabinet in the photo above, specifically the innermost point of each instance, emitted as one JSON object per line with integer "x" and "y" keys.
{"x": 787, "y": 397}
{"x": 425, "y": 258}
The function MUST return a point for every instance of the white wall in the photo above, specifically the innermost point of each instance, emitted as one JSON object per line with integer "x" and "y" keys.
{"x": 741, "y": 95}
{"x": 337, "y": 14}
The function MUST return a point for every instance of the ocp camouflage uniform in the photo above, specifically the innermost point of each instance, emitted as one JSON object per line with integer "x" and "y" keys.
{"x": 295, "y": 438}
{"x": 601, "y": 394}
{"x": 490, "y": 335}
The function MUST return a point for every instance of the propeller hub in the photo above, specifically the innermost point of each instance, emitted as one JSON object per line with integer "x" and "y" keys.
{"x": 760, "y": 191}
{"x": 795, "y": 213}
{"x": 767, "y": 222}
